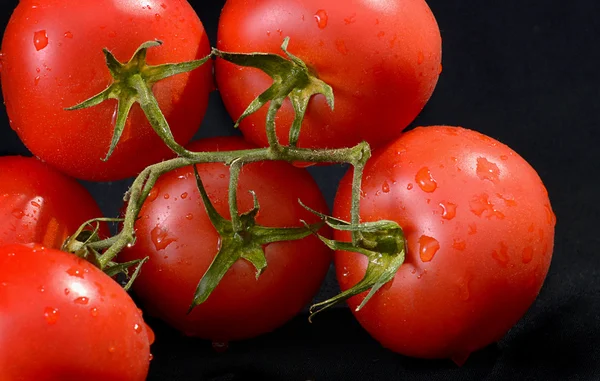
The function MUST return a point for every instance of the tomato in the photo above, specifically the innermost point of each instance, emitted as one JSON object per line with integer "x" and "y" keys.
{"x": 62, "y": 319}
{"x": 175, "y": 232}
{"x": 41, "y": 205}
{"x": 382, "y": 59}
{"x": 480, "y": 234}
{"x": 52, "y": 59}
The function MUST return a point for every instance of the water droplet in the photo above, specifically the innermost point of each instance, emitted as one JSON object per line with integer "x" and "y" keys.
{"x": 18, "y": 213}
{"x": 486, "y": 170}
{"x": 189, "y": 216}
{"x": 36, "y": 80}
{"x": 163, "y": 5}
{"x": 11, "y": 254}
{"x": 138, "y": 328}
{"x": 68, "y": 35}
{"x": 76, "y": 272}
{"x": 42, "y": 289}
{"x": 157, "y": 16}
{"x": 51, "y": 315}
{"x": 481, "y": 204}
{"x": 321, "y": 18}
{"x": 153, "y": 194}
{"x": 472, "y": 229}
{"x": 94, "y": 312}
{"x": 440, "y": 69}
{"x": 151, "y": 357}
{"x": 184, "y": 195}
{"x": 428, "y": 246}
{"x": 166, "y": 196}
{"x": 501, "y": 255}
{"x": 112, "y": 349}
{"x": 220, "y": 346}
{"x": 67, "y": 291}
{"x": 550, "y": 217}
{"x": 420, "y": 57}
{"x": 409, "y": 186}
{"x": 508, "y": 200}
{"x": 459, "y": 244}
{"x": 82, "y": 300}
{"x": 341, "y": 47}
{"x": 345, "y": 271}
{"x": 503, "y": 157}
{"x": 527, "y": 254}
{"x": 425, "y": 180}
{"x": 268, "y": 33}
{"x": 3, "y": 284}
{"x": 161, "y": 238}
{"x": 448, "y": 210}
{"x": 350, "y": 20}
{"x": 385, "y": 187}
{"x": 40, "y": 40}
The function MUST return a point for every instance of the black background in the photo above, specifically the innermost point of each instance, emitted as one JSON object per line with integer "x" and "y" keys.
{"x": 523, "y": 72}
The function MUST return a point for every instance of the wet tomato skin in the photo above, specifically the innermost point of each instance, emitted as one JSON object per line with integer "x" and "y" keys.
{"x": 38, "y": 204}
{"x": 52, "y": 59}
{"x": 382, "y": 58}
{"x": 175, "y": 232}
{"x": 75, "y": 321}
{"x": 480, "y": 234}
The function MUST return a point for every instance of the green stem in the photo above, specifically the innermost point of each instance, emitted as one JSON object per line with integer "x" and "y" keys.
{"x": 234, "y": 176}
{"x": 359, "y": 167}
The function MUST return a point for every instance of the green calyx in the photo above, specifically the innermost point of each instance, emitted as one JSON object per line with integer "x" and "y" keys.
{"x": 291, "y": 79}
{"x": 243, "y": 241}
{"x": 132, "y": 82}
{"x": 382, "y": 242}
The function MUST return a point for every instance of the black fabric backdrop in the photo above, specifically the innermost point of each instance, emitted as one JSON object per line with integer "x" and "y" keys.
{"x": 523, "y": 72}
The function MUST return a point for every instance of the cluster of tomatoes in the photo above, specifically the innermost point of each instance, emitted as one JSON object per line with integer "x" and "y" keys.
{"x": 476, "y": 218}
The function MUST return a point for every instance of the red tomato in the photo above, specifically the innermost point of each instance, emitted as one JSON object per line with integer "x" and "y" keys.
{"x": 382, "y": 59}
{"x": 174, "y": 230}
{"x": 41, "y": 205}
{"x": 62, "y": 319}
{"x": 480, "y": 234}
{"x": 52, "y": 59}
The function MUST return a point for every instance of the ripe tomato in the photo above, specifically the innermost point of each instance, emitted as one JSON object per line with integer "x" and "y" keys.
{"x": 382, "y": 59}
{"x": 41, "y": 205}
{"x": 175, "y": 232}
{"x": 480, "y": 234}
{"x": 62, "y": 319}
{"x": 52, "y": 59}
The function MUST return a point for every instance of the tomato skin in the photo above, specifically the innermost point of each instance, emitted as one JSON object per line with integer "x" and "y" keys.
{"x": 41, "y": 205}
{"x": 383, "y": 64}
{"x": 62, "y": 319}
{"x": 480, "y": 233}
{"x": 52, "y": 59}
{"x": 175, "y": 232}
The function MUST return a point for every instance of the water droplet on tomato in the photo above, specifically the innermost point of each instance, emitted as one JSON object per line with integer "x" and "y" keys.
{"x": 189, "y": 216}
{"x": 472, "y": 229}
{"x": 11, "y": 254}
{"x": 36, "y": 80}
{"x": 157, "y": 16}
{"x": 425, "y": 180}
{"x": 486, "y": 170}
{"x": 459, "y": 244}
{"x": 166, "y": 196}
{"x": 51, "y": 315}
{"x": 42, "y": 289}
{"x": 508, "y": 200}
{"x": 82, "y": 300}
{"x": 18, "y": 213}
{"x": 501, "y": 255}
{"x": 409, "y": 186}
{"x": 35, "y": 204}
{"x": 40, "y": 40}
{"x": 448, "y": 210}
{"x": 527, "y": 254}
{"x": 1, "y": 61}
{"x": 151, "y": 357}
{"x": 428, "y": 246}
{"x": 161, "y": 238}
{"x": 138, "y": 328}
{"x": 153, "y": 194}
{"x": 420, "y": 57}
{"x": 440, "y": 69}
{"x": 184, "y": 195}
{"x": 3, "y": 284}
{"x": 68, "y": 34}
{"x": 112, "y": 349}
{"x": 481, "y": 204}
{"x": 67, "y": 291}
{"x": 321, "y": 18}
{"x": 76, "y": 272}
{"x": 503, "y": 157}
{"x": 550, "y": 217}
{"x": 94, "y": 312}
{"x": 220, "y": 346}
{"x": 385, "y": 187}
